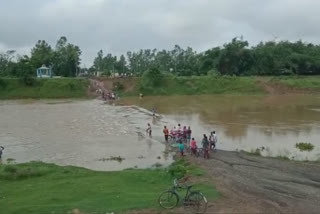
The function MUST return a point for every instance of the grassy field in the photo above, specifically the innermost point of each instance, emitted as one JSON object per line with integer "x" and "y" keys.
{"x": 302, "y": 82}
{"x": 40, "y": 188}
{"x": 44, "y": 88}
{"x": 201, "y": 85}
{"x": 170, "y": 85}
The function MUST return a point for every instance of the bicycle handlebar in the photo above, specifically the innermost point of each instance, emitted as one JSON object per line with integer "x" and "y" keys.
{"x": 176, "y": 185}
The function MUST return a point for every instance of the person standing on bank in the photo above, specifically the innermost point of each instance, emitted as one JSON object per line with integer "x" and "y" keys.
{"x": 1, "y": 151}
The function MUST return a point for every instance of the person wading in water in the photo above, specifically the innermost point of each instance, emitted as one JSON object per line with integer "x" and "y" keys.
{"x": 149, "y": 130}
{"x": 166, "y": 133}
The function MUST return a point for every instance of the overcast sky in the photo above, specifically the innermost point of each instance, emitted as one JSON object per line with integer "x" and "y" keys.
{"x": 120, "y": 25}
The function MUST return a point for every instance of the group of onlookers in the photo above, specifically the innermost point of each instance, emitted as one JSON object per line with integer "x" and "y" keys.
{"x": 183, "y": 137}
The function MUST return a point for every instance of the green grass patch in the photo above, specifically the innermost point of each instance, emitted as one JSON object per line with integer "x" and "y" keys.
{"x": 39, "y": 188}
{"x": 255, "y": 152}
{"x": 181, "y": 168}
{"x": 281, "y": 157}
{"x": 196, "y": 85}
{"x": 43, "y": 88}
{"x": 305, "y": 146}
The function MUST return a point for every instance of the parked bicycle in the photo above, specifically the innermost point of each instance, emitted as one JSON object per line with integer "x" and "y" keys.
{"x": 193, "y": 199}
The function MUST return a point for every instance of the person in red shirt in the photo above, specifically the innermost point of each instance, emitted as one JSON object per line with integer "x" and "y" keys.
{"x": 193, "y": 147}
{"x": 166, "y": 133}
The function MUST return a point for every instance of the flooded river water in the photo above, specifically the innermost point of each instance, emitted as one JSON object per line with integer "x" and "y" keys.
{"x": 273, "y": 124}
{"x": 79, "y": 133}
{"x": 86, "y": 133}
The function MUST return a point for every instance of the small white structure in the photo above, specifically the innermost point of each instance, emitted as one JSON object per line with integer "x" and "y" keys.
{"x": 44, "y": 72}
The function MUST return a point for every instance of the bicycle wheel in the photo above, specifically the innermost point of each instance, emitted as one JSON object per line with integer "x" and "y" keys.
{"x": 197, "y": 202}
{"x": 168, "y": 199}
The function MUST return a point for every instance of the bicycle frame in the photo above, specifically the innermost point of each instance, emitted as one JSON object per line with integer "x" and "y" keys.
{"x": 175, "y": 189}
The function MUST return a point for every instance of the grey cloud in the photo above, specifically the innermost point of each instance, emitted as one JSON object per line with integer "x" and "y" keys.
{"x": 120, "y": 25}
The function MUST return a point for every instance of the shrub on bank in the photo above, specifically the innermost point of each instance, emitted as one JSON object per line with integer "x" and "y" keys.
{"x": 28, "y": 80}
{"x": 305, "y": 146}
{"x": 151, "y": 78}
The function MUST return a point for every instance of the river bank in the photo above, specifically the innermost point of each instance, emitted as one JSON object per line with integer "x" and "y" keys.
{"x": 202, "y": 85}
{"x": 39, "y": 188}
{"x": 13, "y": 88}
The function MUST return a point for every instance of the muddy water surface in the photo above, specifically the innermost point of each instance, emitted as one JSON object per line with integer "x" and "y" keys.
{"x": 273, "y": 124}
{"x": 79, "y": 133}
{"x": 87, "y": 133}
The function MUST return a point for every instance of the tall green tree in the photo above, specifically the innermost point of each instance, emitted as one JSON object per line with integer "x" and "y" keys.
{"x": 41, "y": 54}
{"x": 66, "y": 58}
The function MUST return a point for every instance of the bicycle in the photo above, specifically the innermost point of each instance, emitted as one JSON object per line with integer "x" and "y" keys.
{"x": 198, "y": 153}
{"x": 194, "y": 200}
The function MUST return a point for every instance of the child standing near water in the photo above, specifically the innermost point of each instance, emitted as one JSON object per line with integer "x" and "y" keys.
{"x": 181, "y": 148}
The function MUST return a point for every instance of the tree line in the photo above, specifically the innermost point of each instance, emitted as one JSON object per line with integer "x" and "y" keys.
{"x": 233, "y": 58}
{"x": 236, "y": 57}
{"x": 64, "y": 59}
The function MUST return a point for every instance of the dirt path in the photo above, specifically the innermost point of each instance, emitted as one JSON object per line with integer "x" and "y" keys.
{"x": 96, "y": 86}
{"x": 251, "y": 184}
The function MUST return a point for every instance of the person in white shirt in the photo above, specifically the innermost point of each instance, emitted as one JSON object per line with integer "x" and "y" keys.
{"x": 149, "y": 130}
{"x": 213, "y": 139}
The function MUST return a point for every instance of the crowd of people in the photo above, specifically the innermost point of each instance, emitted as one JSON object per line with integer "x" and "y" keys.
{"x": 182, "y": 136}
{"x": 107, "y": 95}
{"x": 104, "y": 93}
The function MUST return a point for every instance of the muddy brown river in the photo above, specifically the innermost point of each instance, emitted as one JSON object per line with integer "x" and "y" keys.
{"x": 273, "y": 124}
{"x": 86, "y": 133}
{"x": 78, "y": 133}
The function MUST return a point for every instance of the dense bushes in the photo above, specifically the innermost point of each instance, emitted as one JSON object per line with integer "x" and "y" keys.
{"x": 3, "y": 83}
{"x": 151, "y": 79}
{"x": 28, "y": 80}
